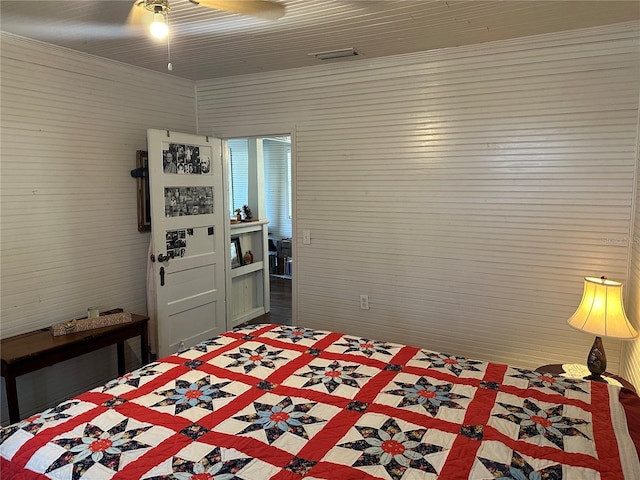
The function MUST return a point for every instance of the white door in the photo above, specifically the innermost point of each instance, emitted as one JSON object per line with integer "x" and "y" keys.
{"x": 188, "y": 228}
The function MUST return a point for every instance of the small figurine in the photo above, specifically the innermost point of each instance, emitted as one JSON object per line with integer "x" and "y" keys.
{"x": 248, "y": 257}
{"x": 247, "y": 212}
{"x": 70, "y": 325}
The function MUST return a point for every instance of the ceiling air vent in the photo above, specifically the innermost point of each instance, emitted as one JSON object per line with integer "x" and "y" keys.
{"x": 345, "y": 52}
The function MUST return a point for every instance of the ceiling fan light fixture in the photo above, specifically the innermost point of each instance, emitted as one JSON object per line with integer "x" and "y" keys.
{"x": 333, "y": 54}
{"x": 159, "y": 27}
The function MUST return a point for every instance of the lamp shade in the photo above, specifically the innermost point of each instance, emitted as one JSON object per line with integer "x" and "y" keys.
{"x": 601, "y": 311}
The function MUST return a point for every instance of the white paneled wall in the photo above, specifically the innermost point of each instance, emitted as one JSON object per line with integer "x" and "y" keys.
{"x": 631, "y": 365}
{"x": 71, "y": 125}
{"x": 467, "y": 191}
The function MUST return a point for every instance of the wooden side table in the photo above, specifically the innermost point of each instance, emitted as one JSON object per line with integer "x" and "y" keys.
{"x": 556, "y": 369}
{"x": 34, "y": 350}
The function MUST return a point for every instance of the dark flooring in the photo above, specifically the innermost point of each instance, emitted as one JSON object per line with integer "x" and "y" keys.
{"x": 280, "y": 303}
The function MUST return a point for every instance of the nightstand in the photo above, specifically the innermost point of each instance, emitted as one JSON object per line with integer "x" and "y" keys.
{"x": 556, "y": 369}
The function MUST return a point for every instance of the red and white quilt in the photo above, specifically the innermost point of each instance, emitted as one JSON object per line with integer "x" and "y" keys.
{"x": 271, "y": 402}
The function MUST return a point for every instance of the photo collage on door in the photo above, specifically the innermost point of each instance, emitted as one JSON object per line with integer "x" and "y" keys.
{"x": 185, "y": 159}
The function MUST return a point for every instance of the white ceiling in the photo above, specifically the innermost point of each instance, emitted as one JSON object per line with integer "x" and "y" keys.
{"x": 206, "y": 43}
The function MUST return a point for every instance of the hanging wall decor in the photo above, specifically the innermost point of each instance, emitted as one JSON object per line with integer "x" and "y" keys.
{"x": 141, "y": 174}
{"x": 236, "y": 253}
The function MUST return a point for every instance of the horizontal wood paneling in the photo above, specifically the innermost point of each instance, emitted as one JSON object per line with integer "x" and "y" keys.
{"x": 631, "y": 363}
{"x": 208, "y": 43}
{"x": 467, "y": 191}
{"x": 71, "y": 124}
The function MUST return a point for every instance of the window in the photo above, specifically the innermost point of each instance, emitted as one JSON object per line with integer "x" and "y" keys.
{"x": 238, "y": 174}
{"x": 276, "y": 159}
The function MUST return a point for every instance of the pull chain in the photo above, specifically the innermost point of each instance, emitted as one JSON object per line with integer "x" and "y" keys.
{"x": 169, "y": 65}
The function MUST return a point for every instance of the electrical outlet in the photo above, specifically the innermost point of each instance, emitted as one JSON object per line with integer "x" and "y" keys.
{"x": 364, "y": 302}
{"x": 306, "y": 237}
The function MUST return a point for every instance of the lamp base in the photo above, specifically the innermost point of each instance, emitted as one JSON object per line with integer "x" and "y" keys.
{"x": 595, "y": 378}
{"x": 596, "y": 361}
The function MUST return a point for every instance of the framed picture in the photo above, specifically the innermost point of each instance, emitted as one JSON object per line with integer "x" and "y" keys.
{"x": 236, "y": 253}
{"x": 144, "y": 207}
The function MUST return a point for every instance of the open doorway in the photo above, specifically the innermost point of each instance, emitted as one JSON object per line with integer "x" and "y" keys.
{"x": 264, "y": 165}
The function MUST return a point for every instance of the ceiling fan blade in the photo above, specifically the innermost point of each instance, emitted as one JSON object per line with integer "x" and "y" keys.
{"x": 255, "y": 8}
{"x": 138, "y": 14}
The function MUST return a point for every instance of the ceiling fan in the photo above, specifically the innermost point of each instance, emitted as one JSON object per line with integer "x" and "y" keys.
{"x": 156, "y": 11}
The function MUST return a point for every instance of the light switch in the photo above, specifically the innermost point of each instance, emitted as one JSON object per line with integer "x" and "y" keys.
{"x": 306, "y": 237}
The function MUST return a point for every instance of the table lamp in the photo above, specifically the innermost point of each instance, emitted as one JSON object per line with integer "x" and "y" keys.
{"x": 601, "y": 312}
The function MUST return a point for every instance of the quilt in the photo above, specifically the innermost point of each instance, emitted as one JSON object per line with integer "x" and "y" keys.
{"x": 272, "y": 402}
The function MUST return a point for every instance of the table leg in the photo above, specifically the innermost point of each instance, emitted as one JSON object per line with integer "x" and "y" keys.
{"x": 121, "y": 366}
{"x": 12, "y": 398}
{"x": 144, "y": 344}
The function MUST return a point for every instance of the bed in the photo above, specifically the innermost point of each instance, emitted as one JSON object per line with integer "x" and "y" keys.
{"x": 283, "y": 403}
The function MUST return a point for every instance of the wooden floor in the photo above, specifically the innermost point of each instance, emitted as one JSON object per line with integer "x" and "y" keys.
{"x": 280, "y": 303}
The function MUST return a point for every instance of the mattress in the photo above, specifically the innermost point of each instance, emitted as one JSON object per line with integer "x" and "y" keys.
{"x": 275, "y": 402}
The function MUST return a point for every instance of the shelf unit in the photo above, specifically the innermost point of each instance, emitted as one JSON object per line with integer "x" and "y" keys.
{"x": 250, "y": 295}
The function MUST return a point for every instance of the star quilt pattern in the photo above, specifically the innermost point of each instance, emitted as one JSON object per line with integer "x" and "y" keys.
{"x": 272, "y": 402}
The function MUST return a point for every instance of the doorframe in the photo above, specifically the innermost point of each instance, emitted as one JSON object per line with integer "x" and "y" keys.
{"x": 250, "y": 132}
{"x": 227, "y": 232}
